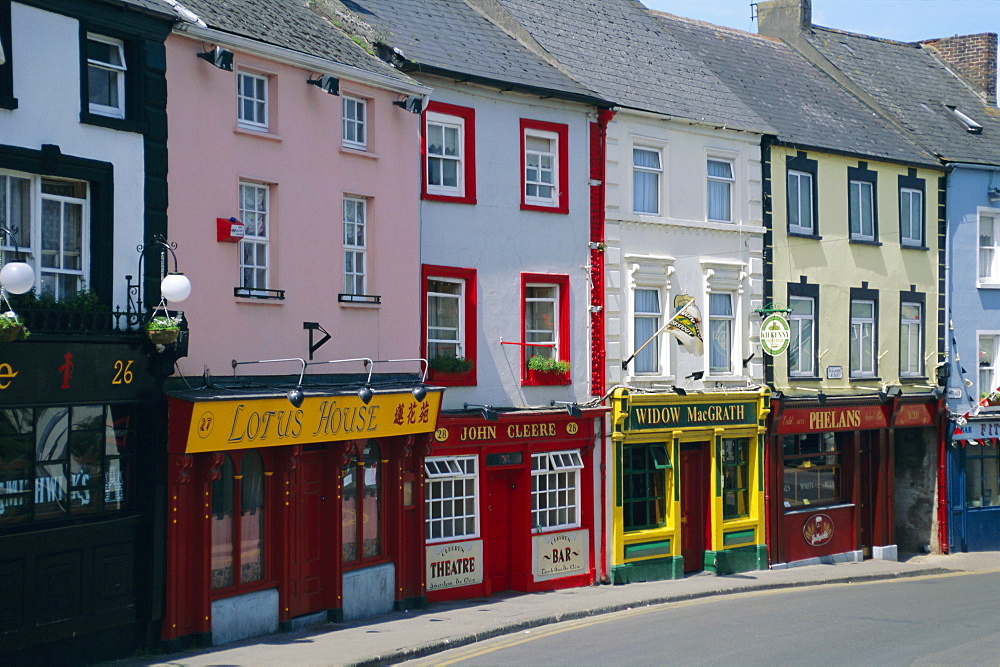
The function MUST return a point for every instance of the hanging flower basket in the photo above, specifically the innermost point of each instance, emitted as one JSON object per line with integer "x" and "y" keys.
{"x": 163, "y": 330}
{"x": 11, "y": 328}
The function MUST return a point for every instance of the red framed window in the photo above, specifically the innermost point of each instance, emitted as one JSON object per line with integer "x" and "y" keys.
{"x": 363, "y": 518}
{"x": 544, "y": 166}
{"x": 545, "y": 329}
{"x": 239, "y": 524}
{"x": 449, "y": 324}
{"x": 448, "y": 147}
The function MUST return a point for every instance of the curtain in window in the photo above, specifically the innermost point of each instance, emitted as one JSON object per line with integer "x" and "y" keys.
{"x": 222, "y": 526}
{"x": 721, "y": 323}
{"x": 645, "y": 181}
{"x": 647, "y": 322}
{"x": 987, "y": 247}
{"x": 720, "y": 191}
{"x": 252, "y": 519}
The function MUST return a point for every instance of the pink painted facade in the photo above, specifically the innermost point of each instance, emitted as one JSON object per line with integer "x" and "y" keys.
{"x": 301, "y": 160}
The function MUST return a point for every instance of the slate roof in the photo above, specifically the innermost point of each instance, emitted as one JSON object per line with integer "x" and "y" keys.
{"x": 292, "y": 25}
{"x": 150, "y": 6}
{"x": 801, "y": 103}
{"x": 452, "y": 36}
{"x": 913, "y": 85}
{"x": 619, "y": 51}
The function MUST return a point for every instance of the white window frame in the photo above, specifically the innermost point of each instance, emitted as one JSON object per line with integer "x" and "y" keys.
{"x": 714, "y": 330}
{"x": 988, "y": 255}
{"x": 355, "y": 245}
{"x": 991, "y": 380}
{"x": 30, "y": 247}
{"x": 548, "y": 352}
{"x": 354, "y": 132}
{"x": 906, "y": 212}
{"x": 446, "y": 122}
{"x": 255, "y": 239}
{"x": 655, "y": 172}
{"x": 803, "y": 184}
{"x": 911, "y": 333}
{"x": 861, "y": 234}
{"x": 729, "y": 184}
{"x": 259, "y": 118}
{"x": 118, "y": 71}
{"x": 654, "y": 348}
{"x": 555, "y": 490}
{"x": 533, "y": 161}
{"x": 796, "y": 323}
{"x": 459, "y": 340}
{"x": 651, "y": 272}
{"x": 450, "y": 482}
{"x": 863, "y": 327}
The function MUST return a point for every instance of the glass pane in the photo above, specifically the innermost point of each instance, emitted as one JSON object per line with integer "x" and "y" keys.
{"x": 51, "y": 434}
{"x": 349, "y": 517}
{"x": 720, "y": 169}
{"x": 646, "y": 158}
{"x": 372, "y": 505}
{"x": 252, "y": 519}
{"x": 223, "y": 527}
{"x": 51, "y": 490}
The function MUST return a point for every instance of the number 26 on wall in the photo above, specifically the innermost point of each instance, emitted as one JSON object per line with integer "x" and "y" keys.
{"x": 123, "y": 372}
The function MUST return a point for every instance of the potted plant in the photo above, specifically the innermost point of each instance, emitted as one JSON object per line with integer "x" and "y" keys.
{"x": 12, "y": 327}
{"x": 546, "y": 370}
{"x": 445, "y": 367}
{"x": 163, "y": 329}
{"x": 991, "y": 398}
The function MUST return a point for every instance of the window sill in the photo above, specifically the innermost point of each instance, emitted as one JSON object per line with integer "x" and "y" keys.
{"x": 805, "y": 235}
{"x": 8, "y": 102}
{"x": 913, "y": 378}
{"x": 251, "y": 294}
{"x": 805, "y": 378}
{"x": 564, "y": 210}
{"x": 452, "y": 199}
{"x": 876, "y": 244}
{"x": 120, "y": 124}
{"x": 913, "y": 246}
{"x": 358, "y": 152}
{"x": 259, "y": 302}
{"x": 864, "y": 378}
{"x": 987, "y": 285}
{"x": 233, "y": 591}
{"x": 260, "y": 134}
{"x": 807, "y": 509}
{"x": 545, "y": 378}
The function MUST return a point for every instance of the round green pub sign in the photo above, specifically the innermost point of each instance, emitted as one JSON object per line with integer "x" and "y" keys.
{"x": 774, "y": 334}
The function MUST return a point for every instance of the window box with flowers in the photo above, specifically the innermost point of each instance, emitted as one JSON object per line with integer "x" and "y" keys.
{"x": 450, "y": 369}
{"x": 547, "y": 371}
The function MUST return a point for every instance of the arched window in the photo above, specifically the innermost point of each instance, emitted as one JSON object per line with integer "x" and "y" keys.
{"x": 238, "y": 546}
{"x": 362, "y": 505}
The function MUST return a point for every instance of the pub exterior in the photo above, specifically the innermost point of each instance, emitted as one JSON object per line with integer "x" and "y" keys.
{"x": 688, "y": 483}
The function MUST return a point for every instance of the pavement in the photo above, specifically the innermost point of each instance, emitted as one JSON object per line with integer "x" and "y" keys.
{"x": 401, "y": 636}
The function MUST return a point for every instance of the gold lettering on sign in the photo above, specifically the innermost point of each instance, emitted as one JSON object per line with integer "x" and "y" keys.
{"x": 478, "y": 433}
{"x": 834, "y": 419}
{"x": 531, "y": 431}
{"x": 6, "y": 373}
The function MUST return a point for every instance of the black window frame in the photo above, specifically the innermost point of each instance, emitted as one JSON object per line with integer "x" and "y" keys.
{"x": 7, "y": 99}
{"x": 863, "y": 293}
{"x": 807, "y": 290}
{"x": 803, "y": 164}
{"x": 135, "y": 65}
{"x": 864, "y": 174}
{"x": 912, "y": 182}
{"x": 920, "y": 298}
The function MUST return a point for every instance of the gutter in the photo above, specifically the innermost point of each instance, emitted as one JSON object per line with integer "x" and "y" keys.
{"x": 299, "y": 59}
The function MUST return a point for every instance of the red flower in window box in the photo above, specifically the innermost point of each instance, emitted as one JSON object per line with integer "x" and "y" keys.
{"x": 452, "y": 370}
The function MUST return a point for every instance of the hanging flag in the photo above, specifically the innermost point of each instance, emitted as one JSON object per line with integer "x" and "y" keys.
{"x": 685, "y": 325}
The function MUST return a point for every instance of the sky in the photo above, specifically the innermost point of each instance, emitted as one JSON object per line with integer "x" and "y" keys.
{"x": 903, "y": 20}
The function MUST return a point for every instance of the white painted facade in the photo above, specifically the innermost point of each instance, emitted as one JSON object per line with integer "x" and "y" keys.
{"x": 678, "y": 251}
{"x": 48, "y": 112}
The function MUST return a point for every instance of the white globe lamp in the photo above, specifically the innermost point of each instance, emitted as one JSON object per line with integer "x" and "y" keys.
{"x": 175, "y": 287}
{"x": 18, "y": 277}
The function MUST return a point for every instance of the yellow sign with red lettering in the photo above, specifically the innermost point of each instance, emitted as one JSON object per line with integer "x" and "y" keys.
{"x": 271, "y": 422}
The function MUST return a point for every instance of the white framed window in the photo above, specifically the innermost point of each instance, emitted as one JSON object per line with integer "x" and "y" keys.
{"x": 541, "y": 320}
{"x": 445, "y": 143}
{"x": 720, "y": 190}
{"x": 800, "y": 202}
{"x": 445, "y": 315}
{"x": 863, "y": 322}
{"x": 647, "y": 314}
{"x": 355, "y": 124}
{"x": 647, "y": 171}
{"x": 555, "y": 490}
{"x": 355, "y": 245}
{"x": 251, "y": 99}
{"x": 911, "y": 217}
{"x": 52, "y": 217}
{"x": 721, "y": 325}
{"x": 540, "y": 165}
{"x": 254, "y": 247}
{"x": 106, "y": 76}
{"x": 989, "y": 253}
{"x": 451, "y": 498}
{"x": 988, "y": 350}
{"x": 911, "y": 339}
{"x": 802, "y": 345}
{"x": 861, "y": 201}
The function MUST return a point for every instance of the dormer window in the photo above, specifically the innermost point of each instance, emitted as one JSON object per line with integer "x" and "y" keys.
{"x": 971, "y": 126}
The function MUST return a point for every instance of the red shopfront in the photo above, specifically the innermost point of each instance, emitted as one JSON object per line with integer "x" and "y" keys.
{"x": 510, "y": 503}
{"x": 281, "y": 515}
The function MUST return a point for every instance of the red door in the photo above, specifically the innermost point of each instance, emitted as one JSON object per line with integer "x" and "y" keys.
{"x": 310, "y": 526}
{"x": 498, "y": 529}
{"x": 694, "y": 505}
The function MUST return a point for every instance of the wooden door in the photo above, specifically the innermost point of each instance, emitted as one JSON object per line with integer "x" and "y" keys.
{"x": 309, "y": 536}
{"x": 694, "y": 505}
{"x": 868, "y": 498}
{"x": 498, "y": 515}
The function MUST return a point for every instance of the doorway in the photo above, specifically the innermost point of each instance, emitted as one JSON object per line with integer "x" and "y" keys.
{"x": 694, "y": 478}
{"x": 498, "y": 532}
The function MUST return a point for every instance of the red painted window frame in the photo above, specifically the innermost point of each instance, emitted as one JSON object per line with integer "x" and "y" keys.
{"x": 562, "y": 167}
{"x": 468, "y": 116}
{"x": 530, "y": 379}
{"x": 427, "y": 271}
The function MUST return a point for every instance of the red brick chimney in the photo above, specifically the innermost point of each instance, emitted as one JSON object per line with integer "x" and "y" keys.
{"x": 972, "y": 56}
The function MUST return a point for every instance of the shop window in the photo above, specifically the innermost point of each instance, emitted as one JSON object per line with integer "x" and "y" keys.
{"x": 450, "y": 153}
{"x": 812, "y": 469}
{"x": 238, "y": 541}
{"x": 644, "y": 496}
{"x": 982, "y": 475}
{"x": 555, "y": 490}
{"x": 544, "y": 166}
{"x": 735, "y": 477}
{"x": 65, "y": 462}
{"x": 451, "y": 504}
{"x": 362, "y": 505}
{"x": 450, "y": 324}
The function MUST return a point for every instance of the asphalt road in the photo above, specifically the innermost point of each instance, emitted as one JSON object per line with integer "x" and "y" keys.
{"x": 941, "y": 619}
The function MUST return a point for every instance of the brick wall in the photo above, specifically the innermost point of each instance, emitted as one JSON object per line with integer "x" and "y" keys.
{"x": 972, "y": 56}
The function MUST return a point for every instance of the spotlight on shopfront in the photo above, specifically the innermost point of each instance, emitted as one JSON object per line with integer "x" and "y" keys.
{"x": 821, "y": 397}
{"x": 572, "y": 409}
{"x": 365, "y": 394}
{"x": 890, "y": 393}
{"x": 295, "y": 396}
{"x": 487, "y": 411}
{"x": 680, "y": 391}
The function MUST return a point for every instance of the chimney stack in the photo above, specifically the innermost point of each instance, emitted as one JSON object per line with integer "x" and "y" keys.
{"x": 784, "y": 18}
{"x": 974, "y": 57}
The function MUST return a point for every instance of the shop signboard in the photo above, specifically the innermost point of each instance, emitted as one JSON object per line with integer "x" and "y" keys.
{"x": 818, "y": 420}
{"x": 560, "y": 554}
{"x": 650, "y": 416}
{"x": 455, "y": 564}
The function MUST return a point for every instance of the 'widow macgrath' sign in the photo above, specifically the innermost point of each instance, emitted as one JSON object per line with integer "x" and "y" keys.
{"x": 680, "y": 415}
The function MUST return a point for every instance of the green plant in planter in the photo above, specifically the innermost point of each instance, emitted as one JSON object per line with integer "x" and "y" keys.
{"x": 12, "y": 327}
{"x": 545, "y": 364}
{"x": 82, "y": 301}
{"x": 163, "y": 329}
{"x": 449, "y": 363}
